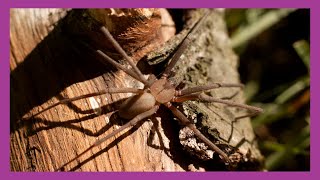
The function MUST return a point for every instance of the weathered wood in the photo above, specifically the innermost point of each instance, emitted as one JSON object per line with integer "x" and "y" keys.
{"x": 211, "y": 59}
{"x": 47, "y": 65}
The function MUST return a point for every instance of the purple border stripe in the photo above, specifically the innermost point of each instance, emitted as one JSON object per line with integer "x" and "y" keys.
{"x": 315, "y": 87}
{"x": 161, "y": 3}
{"x": 4, "y": 94}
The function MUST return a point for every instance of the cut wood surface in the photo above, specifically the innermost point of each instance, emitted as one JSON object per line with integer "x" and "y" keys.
{"x": 48, "y": 63}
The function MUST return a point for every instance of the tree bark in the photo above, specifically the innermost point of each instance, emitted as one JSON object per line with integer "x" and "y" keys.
{"x": 47, "y": 64}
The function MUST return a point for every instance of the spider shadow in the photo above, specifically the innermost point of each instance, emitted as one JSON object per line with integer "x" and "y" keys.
{"x": 234, "y": 120}
{"x": 53, "y": 65}
{"x": 231, "y": 117}
{"x": 216, "y": 163}
{"x": 106, "y": 149}
{"x": 34, "y": 123}
{"x": 170, "y": 130}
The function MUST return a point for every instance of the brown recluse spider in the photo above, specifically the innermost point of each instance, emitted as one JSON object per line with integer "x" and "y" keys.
{"x": 156, "y": 92}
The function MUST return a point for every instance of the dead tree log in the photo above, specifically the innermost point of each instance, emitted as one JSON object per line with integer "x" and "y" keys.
{"x": 48, "y": 64}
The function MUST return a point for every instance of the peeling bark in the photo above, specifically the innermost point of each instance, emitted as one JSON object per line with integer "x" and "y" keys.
{"x": 47, "y": 65}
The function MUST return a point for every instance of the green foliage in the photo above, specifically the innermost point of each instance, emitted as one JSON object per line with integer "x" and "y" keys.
{"x": 283, "y": 129}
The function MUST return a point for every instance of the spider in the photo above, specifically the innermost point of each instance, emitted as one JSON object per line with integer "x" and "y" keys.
{"x": 156, "y": 92}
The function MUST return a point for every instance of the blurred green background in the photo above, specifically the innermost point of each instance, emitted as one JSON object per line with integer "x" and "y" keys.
{"x": 273, "y": 47}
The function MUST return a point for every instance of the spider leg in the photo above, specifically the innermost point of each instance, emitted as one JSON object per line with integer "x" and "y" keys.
{"x": 185, "y": 43}
{"x": 230, "y": 97}
{"x": 205, "y": 88}
{"x": 132, "y": 122}
{"x": 109, "y": 60}
{"x": 117, "y": 46}
{"x": 185, "y": 121}
{"x": 118, "y": 65}
{"x": 109, "y": 90}
{"x": 206, "y": 98}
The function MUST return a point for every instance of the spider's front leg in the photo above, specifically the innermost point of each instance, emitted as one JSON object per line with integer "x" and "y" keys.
{"x": 202, "y": 88}
{"x": 205, "y": 98}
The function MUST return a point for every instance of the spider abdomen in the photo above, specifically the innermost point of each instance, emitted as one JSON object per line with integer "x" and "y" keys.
{"x": 136, "y": 105}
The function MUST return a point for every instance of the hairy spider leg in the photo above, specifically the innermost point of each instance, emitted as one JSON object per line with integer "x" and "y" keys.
{"x": 117, "y": 65}
{"x": 185, "y": 43}
{"x": 116, "y": 45}
{"x": 202, "y": 88}
{"x": 107, "y": 60}
{"x": 108, "y": 90}
{"x": 185, "y": 121}
{"x": 132, "y": 122}
{"x": 205, "y": 98}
